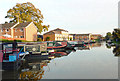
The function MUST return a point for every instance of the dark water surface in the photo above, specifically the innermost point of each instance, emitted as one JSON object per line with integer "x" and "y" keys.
{"x": 96, "y": 61}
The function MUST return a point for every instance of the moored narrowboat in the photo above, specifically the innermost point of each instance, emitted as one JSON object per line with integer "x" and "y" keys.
{"x": 59, "y": 45}
{"x": 9, "y": 56}
{"x": 77, "y": 43}
{"x": 56, "y": 44}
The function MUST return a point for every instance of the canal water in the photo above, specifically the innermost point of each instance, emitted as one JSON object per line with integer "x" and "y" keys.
{"x": 96, "y": 61}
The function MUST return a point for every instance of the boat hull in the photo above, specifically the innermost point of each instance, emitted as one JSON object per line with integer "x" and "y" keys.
{"x": 11, "y": 65}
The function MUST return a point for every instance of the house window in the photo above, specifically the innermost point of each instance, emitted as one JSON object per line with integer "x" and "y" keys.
{"x": 16, "y": 36}
{"x": 21, "y": 36}
{"x": 7, "y": 30}
{"x": 21, "y": 29}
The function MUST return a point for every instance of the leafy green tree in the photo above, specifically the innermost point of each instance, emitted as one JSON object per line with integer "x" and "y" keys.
{"x": 108, "y": 35}
{"x": 47, "y": 38}
{"x": 26, "y": 12}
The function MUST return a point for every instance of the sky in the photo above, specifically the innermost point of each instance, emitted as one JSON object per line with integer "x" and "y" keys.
{"x": 76, "y": 16}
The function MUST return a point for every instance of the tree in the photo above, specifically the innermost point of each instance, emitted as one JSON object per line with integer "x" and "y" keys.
{"x": 116, "y": 34}
{"x": 108, "y": 35}
{"x": 70, "y": 38}
{"x": 47, "y": 38}
{"x": 39, "y": 39}
{"x": 26, "y": 12}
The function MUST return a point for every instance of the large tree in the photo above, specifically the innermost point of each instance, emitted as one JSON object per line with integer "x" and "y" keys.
{"x": 26, "y": 12}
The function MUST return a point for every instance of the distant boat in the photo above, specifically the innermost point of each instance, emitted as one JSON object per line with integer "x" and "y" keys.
{"x": 77, "y": 43}
{"x": 56, "y": 44}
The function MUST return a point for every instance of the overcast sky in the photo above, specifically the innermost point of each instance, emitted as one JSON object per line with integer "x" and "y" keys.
{"x": 76, "y": 16}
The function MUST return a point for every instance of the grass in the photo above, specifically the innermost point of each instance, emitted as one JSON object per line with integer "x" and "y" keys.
{"x": 5, "y": 40}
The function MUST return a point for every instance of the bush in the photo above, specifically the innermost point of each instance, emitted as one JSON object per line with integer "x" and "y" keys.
{"x": 47, "y": 38}
{"x": 39, "y": 39}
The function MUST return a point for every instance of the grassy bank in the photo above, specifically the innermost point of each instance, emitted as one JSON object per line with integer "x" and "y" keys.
{"x": 5, "y": 40}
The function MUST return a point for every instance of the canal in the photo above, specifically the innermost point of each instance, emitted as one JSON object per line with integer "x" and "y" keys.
{"x": 96, "y": 61}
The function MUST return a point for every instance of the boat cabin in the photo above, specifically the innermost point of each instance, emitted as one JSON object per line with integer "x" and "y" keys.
{"x": 8, "y": 52}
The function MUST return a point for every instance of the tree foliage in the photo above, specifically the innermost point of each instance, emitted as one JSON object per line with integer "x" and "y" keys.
{"x": 47, "y": 38}
{"x": 26, "y": 12}
{"x": 108, "y": 35}
{"x": 116, "y": 34}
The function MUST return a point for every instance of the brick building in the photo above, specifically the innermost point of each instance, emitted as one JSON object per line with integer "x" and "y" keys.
{"x": 96, "y": 36}
{"x": 82, "y": 37}
{"x": 19, "y": 31}
{"x": 57, "y": 35}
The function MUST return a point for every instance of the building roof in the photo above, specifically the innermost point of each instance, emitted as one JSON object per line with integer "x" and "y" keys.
{"x": 21, "y": 25}
{"x": 96, "y": 35}
{"x": 49, "y": 33}
{"x": 7, "y": 25}
{"x": 81, "y": 34}
{"x": 55, "y": 31}
{"x": 71, "y": 34}
{"x": 58, "y": 29}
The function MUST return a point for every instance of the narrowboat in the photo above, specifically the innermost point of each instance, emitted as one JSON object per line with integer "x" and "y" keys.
{"x": 58, "y": 45}
{"x": 9, "y": 56}
{"x": 36, "y": 51}
{"x": 77, "y": 43}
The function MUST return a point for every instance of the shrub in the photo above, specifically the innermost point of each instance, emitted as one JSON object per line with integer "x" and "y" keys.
{"x": 39, "y": 39}
{"x": 47, "y": 38}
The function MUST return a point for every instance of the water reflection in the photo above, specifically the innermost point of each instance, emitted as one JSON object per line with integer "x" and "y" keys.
{"x": 116, "y": 51}
{"x": 34, "y": 69}
{"x": 89, "y": 46}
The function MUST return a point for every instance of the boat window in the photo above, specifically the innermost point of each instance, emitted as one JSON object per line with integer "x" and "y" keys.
{"x": 50, "y": 44}
{"x": 8, "y": 48}
{"x": 59, "y": 42}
